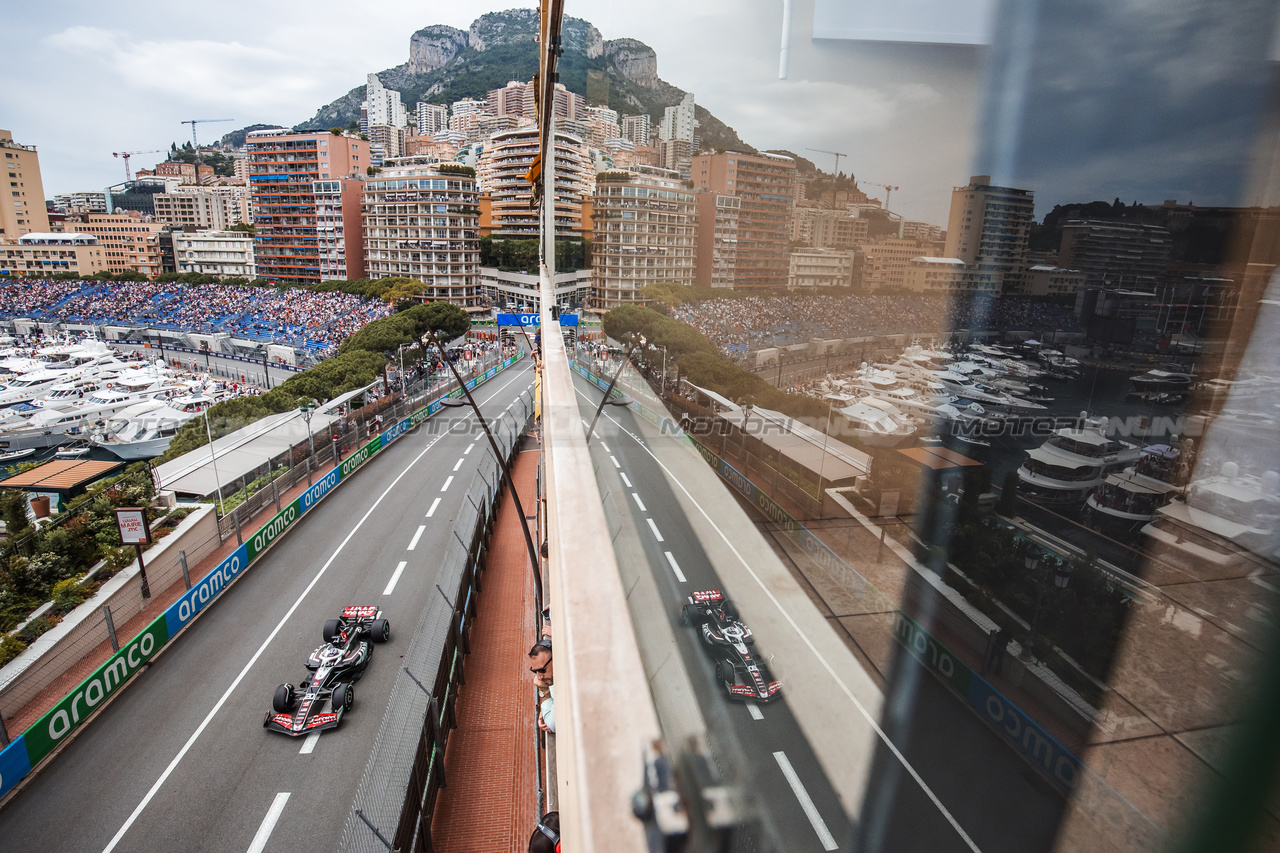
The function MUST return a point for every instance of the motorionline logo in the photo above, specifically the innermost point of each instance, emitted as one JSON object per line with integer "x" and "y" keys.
{"x": 1183, "y": 426}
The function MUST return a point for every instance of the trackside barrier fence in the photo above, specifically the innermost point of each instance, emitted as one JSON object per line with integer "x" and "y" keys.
{"x": 395, "y": 800}
{"x": 261, "y": 487}
{"x": 1058, "y": 764}
{"x": 42, "y": 737}
{"x": 117, "y": 607}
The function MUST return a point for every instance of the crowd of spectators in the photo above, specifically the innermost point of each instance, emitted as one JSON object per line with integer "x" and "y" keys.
{"x": 742, "y": 326}
{"x": 295, "y": 317}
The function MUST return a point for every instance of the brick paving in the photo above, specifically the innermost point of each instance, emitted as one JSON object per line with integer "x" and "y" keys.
{"x": 490, "y": 803}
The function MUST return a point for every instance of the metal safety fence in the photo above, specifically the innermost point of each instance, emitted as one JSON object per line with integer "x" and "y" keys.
{"x": 42, "y": 738}
{"x": 261, "y": 487}
{"x": 396, "y": 797}
{"x": 95, "y": 639}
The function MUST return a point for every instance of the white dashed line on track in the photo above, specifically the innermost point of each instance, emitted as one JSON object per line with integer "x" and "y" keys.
{"x": 675, "y": 567}
{"x": 468, "y": 450}
{"x": 309, "y": 744}
{"x": 639, "y": 502}
{"x": 615, "y": 462}
{"x": 806, "y": 802}
{"x": 269, "y": 823}
{"x": 625, "y": 481}
{"x": 447, "y": 483}
{"x": 421, "y": 527}
{"x": 391, "y": 585}
{"x": 458, "y": 464}
{"x": 432, "y": 511}
{"x": 656, "y": 533}
{"x": 754, "y": 710}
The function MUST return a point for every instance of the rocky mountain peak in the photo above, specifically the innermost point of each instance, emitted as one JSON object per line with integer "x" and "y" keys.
{"x": 634, "y": 60}
{"x": 434, "y": 47}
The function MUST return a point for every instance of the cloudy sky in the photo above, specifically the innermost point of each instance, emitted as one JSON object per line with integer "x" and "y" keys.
{"x": 85, "y": 79}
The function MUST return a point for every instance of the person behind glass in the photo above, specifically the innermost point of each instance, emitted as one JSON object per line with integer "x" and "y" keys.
{"x": 540, "y": 666}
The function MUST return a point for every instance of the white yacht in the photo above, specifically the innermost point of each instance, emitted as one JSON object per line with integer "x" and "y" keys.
{"x": 1131, "y": 497}
{"x": 51, "y": 426}
{"x": 1224, "y": 520}
{"x": 144, "y": 430}
{"x": 1162, "y": 380}
{"x": 1073, "y": 462}
{"x": 876, "y": 425}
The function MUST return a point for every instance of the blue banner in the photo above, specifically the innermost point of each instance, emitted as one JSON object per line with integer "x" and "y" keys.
{"x": 204, "y": 591}
{"x": 395, "y": 432}
{"x": 14, "y": 764}
{"x": 319, "y": 489}
{"x": 519, "y": 320}
{"x": 1035, "y": 744}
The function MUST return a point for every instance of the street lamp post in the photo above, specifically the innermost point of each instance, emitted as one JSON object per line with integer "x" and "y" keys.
{"x": 1061, "y": 577}
{"x": 307, "y": 410}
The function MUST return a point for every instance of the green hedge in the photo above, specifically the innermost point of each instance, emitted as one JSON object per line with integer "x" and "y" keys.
{"x": 358, "y": 363}
{"x": 701, "y": 363}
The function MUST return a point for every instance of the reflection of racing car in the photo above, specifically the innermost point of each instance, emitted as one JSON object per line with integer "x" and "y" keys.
{"x": 335, "y": 667}
{"x": 728, "y": 641}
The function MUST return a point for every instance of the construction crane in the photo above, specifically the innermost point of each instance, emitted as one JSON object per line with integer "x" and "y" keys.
{"x": 838, "y": 155}
{"x": 193, "y": 123}
{"x": 888, "y": 189}
{"x": 128, "y": 176}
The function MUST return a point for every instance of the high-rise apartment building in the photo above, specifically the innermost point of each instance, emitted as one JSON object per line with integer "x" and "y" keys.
{"x": 513, "y": 99}
{"x": 764, "y": 184}
{"x": 1123, "y": 254}
{"x": 36, "y": 255}
{"x": 130, "y": 242}
{"x": 644, "y": 233}
{"x": 381, "y": 106}
{"x": 225, "y": 254}
{"x": 884, "y": 262}
{"x": 678, "y": 122}
{"x": 81, "y": 202}
{"x": 432, "y": 118}
{"x": 286, "y": 169}
{"x": 385, "y": 141}
{"x": 501, "y": 174}
{"x": 834, "y": 229}
{"x": 569, "y": 105}
{"x": 636, "y": 129}
{"x": 949, "y": 277}
{"x": 339, "y": 228}
{"x": 191, "y": 207}
{"x": 422, "y": 222}
{"x": 814, "y": 268}
{"x": 717, "y": 239}
{"x": 23, "y": 208}
{"x": 469, "y": 106}
{"x": 188, "y": 173}
{"x": 990, "y": 227}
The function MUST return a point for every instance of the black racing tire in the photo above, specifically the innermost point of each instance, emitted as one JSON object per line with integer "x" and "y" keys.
{"x": 684, "y": 615}
{"x": 331, "y": 629}
{"x": 344, "y": 696}
{"x": 282, "y": 702}
{"x": 720, "y": 672}
{"x": 380, "y": 630}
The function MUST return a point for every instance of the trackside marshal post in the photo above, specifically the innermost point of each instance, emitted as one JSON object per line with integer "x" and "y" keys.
{"x": 135, "y": 531}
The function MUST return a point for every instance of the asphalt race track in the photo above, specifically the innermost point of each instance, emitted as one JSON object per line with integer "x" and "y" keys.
{"x": 160, "y": 769}
{"x": 995, "y": 798}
